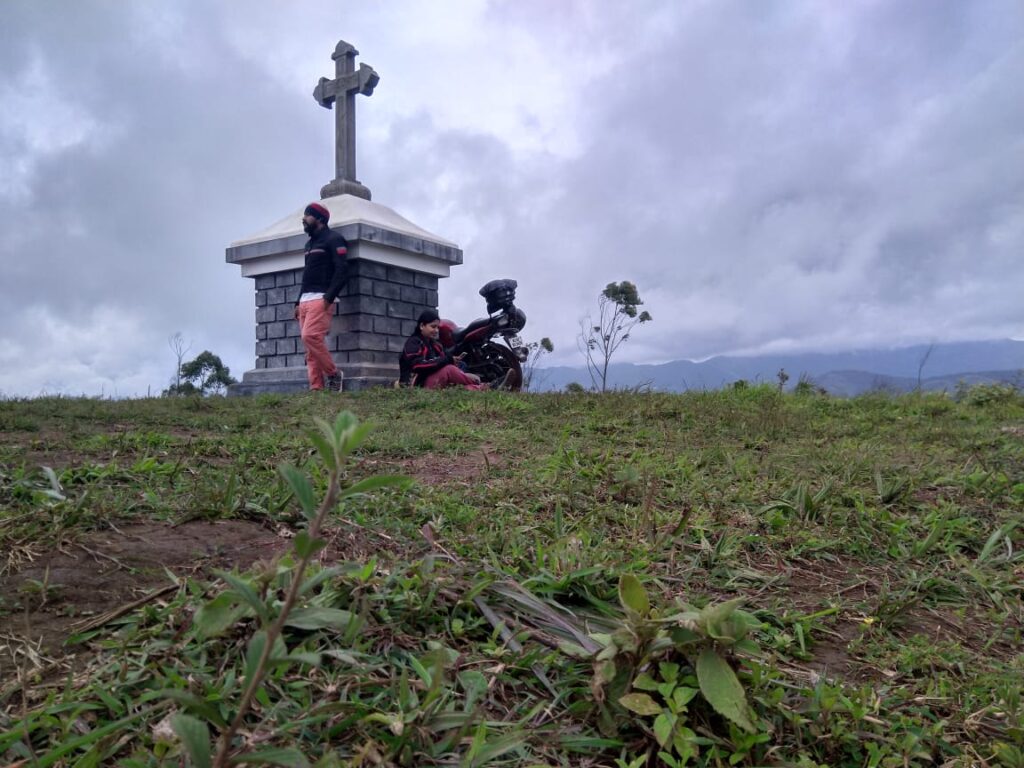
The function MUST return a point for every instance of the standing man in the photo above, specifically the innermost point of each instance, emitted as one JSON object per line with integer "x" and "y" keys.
{"x": 323, "y": 277}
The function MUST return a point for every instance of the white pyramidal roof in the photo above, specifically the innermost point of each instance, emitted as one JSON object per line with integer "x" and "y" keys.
{"x": 346, "y": 209}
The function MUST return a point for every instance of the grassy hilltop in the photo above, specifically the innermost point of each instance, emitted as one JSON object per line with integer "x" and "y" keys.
{"x": 726, "y": 578}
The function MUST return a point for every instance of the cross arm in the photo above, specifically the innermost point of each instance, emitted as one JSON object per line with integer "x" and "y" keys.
{"x": 324, "y": 92}
{"x": 368, "y": 79}
{"x": 363, "y": 81}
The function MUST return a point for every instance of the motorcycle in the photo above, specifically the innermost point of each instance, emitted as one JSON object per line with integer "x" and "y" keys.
{"x": 480, "y": 341}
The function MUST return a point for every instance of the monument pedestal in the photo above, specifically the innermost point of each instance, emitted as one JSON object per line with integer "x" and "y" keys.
{"x": 394, "y": 268}
{"x": 344, "y": 187}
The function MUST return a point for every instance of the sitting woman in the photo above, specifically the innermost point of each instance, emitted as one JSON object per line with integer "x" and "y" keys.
{"x": 425, "y": 363}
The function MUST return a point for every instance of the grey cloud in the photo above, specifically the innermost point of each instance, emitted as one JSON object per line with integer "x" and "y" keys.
{"x": 735, "y": 168}
{"x": 140, "y": 216}
{"x": 782, "y": 174}
{"x": 805, "y": 175}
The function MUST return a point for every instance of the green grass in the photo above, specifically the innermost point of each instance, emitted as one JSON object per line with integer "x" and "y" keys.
{"x": 875, "y": 543}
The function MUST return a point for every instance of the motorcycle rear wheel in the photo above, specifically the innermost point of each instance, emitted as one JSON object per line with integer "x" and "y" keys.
{"x": 493, "y": 361}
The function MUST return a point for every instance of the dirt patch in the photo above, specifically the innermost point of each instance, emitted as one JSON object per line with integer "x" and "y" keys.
{"x": 55, "y": 448}
{"x": 810, "y": 586}
{"x": 351, "y": 542}
{"x": 183, "y": 433}
{"x": 432, "y": 469}
{"x": 973, "y": 630}
{"x": 807, "y": 588}
{"x": 54, "y": 596}
{"x": 933, "y": 496}
{"x": 57, "y": 458}
{"x": 49, "y": 597}
{"x": 835, "y": 650}
{"x": 830, "y": 653}
{"x": 43, "y": 447}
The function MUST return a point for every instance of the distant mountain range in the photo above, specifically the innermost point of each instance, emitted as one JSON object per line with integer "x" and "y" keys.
{"x": 841, "y": 373}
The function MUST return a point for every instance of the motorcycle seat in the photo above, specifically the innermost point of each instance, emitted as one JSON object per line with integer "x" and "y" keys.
{"x": 481, "y": 324}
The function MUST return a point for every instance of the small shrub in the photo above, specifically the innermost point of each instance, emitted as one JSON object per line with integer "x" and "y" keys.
{"x": 983, "y": 395}
{"x": 806, "y": 387}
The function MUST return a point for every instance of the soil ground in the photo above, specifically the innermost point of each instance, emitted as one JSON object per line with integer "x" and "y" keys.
{"x": 62, "y": 593}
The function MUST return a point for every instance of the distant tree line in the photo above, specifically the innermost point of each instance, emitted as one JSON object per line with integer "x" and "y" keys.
{"x": 204, "y": 375}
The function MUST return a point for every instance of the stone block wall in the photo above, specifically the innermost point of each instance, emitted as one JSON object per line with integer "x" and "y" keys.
{"x": 374, "y": 315}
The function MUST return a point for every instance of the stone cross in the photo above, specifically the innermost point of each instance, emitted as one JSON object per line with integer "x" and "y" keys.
{"x": 347, "y": 83}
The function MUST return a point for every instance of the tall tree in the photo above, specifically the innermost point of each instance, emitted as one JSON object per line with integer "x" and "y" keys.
{"x": 206, "y": 375}
{"x": 617, "y": 315}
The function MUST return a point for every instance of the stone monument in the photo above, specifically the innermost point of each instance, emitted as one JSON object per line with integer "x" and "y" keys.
{"x": 394, "y": 265}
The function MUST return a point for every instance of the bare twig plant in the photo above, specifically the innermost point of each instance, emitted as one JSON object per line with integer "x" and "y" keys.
{"x": 600, "y": 339}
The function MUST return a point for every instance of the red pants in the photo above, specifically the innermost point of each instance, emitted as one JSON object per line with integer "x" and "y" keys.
{"x": 450, "y": 376}
{"x": 314, "y": 323}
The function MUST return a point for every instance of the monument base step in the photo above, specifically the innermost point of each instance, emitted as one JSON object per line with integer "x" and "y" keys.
{"x": 293, "y": 380}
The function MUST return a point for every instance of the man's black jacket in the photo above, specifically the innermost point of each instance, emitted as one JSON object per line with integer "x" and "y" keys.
{"x": 326, "y": 270}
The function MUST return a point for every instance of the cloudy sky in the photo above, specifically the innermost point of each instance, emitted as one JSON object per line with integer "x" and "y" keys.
{"x": 773, "y": 175}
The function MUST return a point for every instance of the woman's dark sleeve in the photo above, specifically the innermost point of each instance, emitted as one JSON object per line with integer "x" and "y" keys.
{"x": 423, "y": 359}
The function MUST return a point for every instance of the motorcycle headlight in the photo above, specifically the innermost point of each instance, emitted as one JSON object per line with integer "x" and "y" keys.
{"x": 518, "y": 319}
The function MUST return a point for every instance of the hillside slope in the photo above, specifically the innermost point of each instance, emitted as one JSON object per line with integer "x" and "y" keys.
{"x": 945, "y": 362}
{"x": 558, "y": 587}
